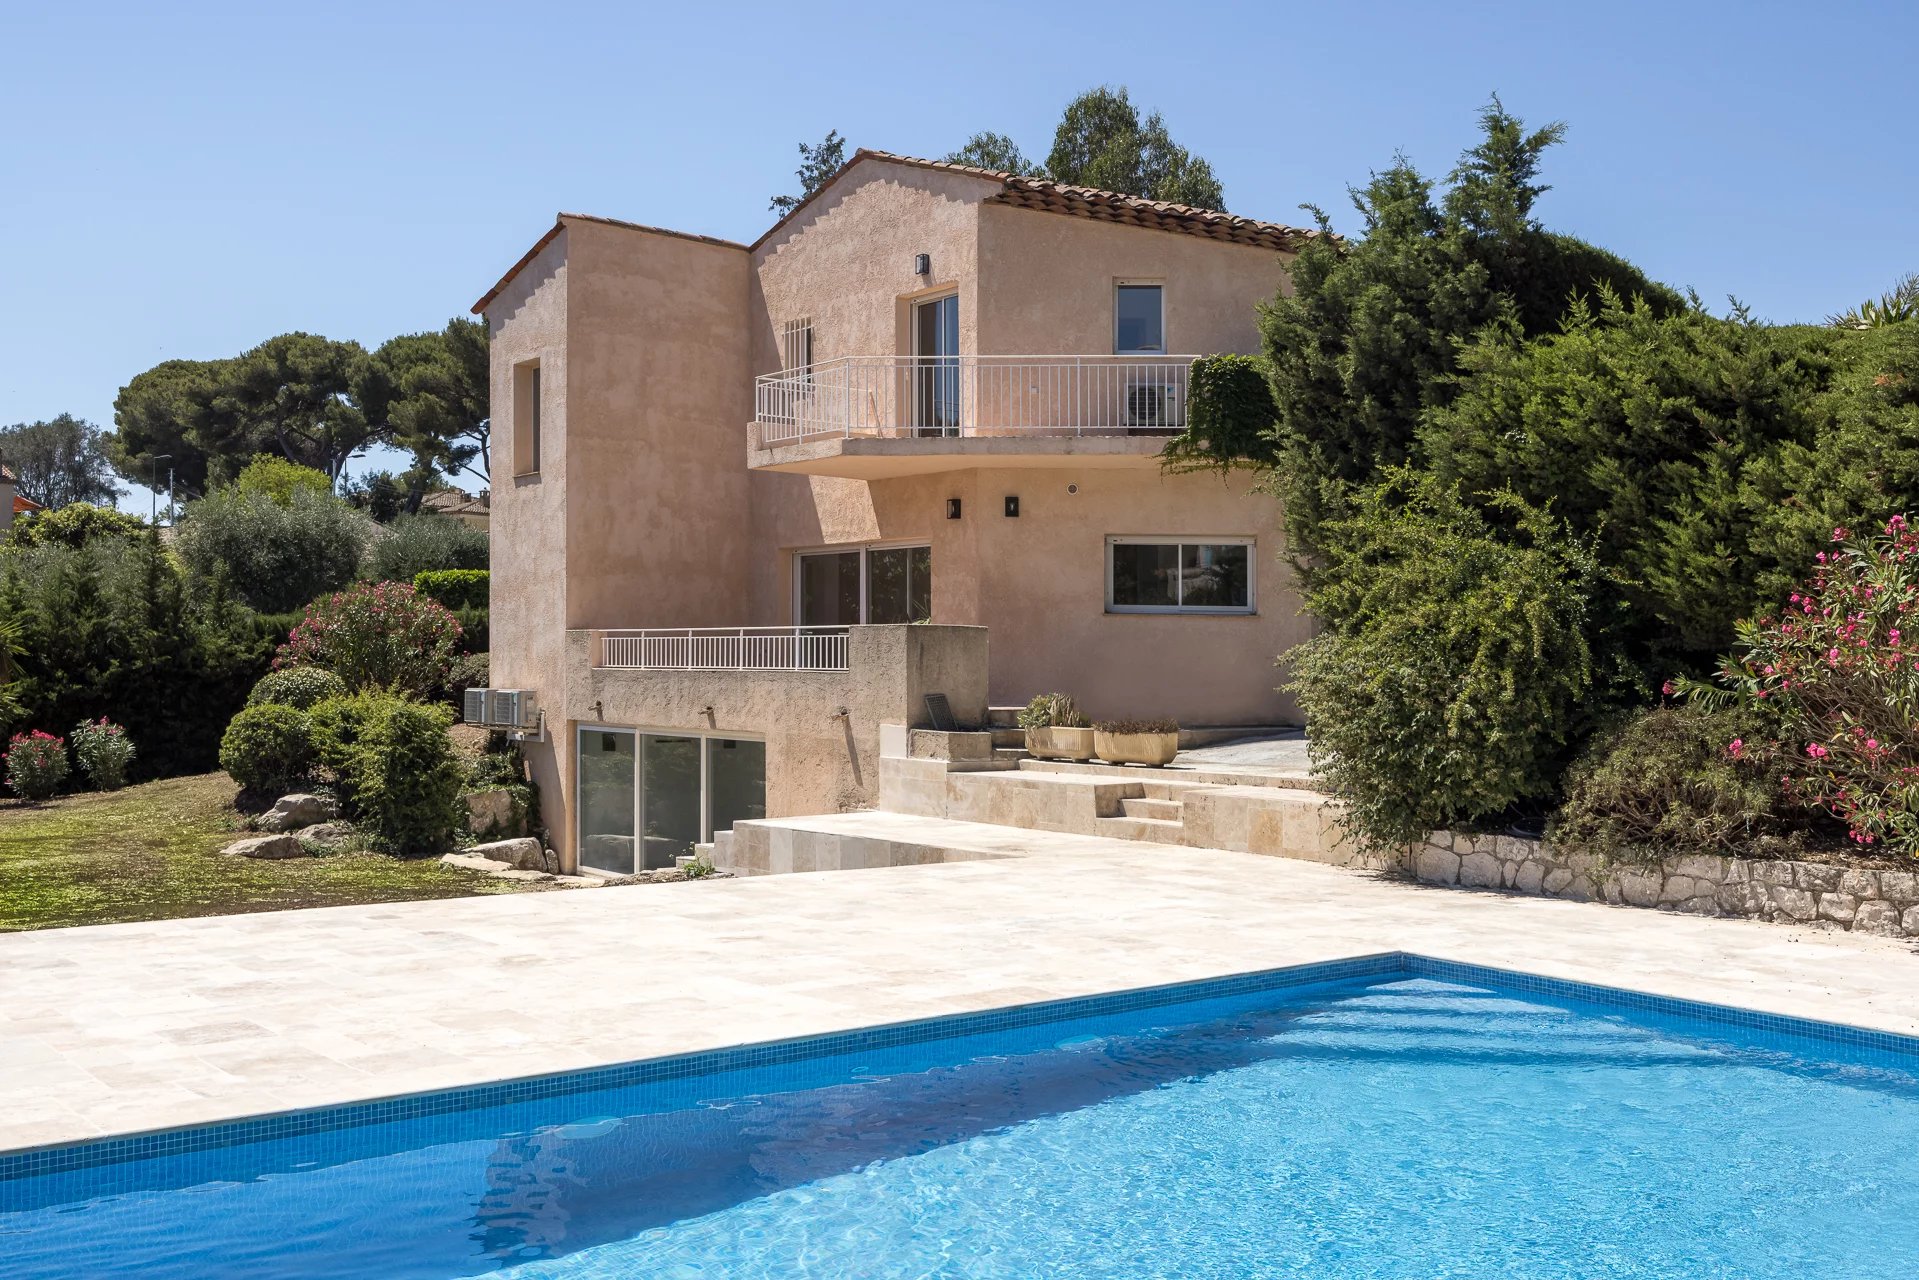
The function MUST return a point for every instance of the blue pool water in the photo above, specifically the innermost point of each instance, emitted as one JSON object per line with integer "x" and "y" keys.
{"x": 1384, "y": 1127}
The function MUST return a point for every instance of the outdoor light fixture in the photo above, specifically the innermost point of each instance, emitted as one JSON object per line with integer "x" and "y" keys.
{"x": 922, "y": 264}
{"x": 1012, "y": 506}
{"x": 952, "y": 508}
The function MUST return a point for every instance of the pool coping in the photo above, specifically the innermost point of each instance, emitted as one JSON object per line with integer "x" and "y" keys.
{"x": 30, "y": 1162}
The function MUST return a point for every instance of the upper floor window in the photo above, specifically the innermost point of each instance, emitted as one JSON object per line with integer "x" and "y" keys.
{"x": 1168, "y": 575}
{"x": 526, "y": 418}
{"x": 796, "y": 347}
{"x": 1139, "y": 321}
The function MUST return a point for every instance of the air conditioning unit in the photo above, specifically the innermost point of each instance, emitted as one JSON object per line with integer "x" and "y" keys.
{"x": 512, "y": 709}
{"x": 1154, "y": 404}
{"x": 501, "y": 708}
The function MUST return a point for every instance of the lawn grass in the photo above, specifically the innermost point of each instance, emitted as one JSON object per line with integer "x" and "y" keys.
{"x": 152, "y": 852}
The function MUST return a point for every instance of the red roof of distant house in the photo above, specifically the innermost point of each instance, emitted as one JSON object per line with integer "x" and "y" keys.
{"x": 23, "y": 505}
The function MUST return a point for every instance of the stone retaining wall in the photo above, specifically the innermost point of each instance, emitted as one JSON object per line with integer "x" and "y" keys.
{"x": 1807, "y": 893}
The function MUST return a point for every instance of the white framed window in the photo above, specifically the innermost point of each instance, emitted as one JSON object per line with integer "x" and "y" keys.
{"x": 648, "y": 795}
{"x": 1151, "y": 574}
{"x": 1139, "y": 318}
{"x": 870, "y": 584}
{"x": 796, "y": 348}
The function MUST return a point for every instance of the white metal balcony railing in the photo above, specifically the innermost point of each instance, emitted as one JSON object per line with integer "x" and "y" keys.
{"x": 726, "y": 649}
{"x": 973, "y": 396}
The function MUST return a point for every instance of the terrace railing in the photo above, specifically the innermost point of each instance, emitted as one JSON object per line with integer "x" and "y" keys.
{"x": 932, "y": 396}
{"x": 726, "y": 649}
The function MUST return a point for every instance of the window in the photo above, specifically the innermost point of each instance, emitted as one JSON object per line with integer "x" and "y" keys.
{"x": 796, "y": 348}
{"x": 1164, "y": 575}
{"x": 867, "y": 584}
{"x": 526, "y": 419}
{"x": 1138, "y": 319}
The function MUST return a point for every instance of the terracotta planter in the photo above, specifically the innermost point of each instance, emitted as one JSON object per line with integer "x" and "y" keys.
{"x": 1057, "y": 742}
{"x": 1136, "y": 748}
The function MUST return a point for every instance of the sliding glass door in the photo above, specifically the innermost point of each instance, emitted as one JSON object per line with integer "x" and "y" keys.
{"x": 936, "y": 366}
{"x": 646, "y": 798}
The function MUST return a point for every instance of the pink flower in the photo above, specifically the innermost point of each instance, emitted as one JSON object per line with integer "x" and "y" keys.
{"x": 1736, "y": 748}
{"x": 1667, "y": 688}
{"x": 1816, "y": 751}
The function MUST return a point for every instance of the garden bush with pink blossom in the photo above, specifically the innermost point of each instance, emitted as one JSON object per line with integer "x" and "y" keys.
{"x": 381, "y": 635}
{"x": 1837, "y": 672}
{"x": 36, "y": 764}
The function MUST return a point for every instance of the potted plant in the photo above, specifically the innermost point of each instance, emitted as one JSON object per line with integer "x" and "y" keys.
{"x": 1150, "y": 742}
{"x": 1056, "y": 729}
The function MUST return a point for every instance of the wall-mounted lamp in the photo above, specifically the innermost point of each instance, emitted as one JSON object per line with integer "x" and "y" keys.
{"x": 922, "y": 264}
{"x": 952, "y": 508}
{"x": 1012, "y": 506}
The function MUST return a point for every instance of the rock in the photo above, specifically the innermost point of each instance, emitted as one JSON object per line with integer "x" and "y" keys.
{"x": 1641, "y": 888}
{"x": 1744, "y": 898}
{"x": 471, "y": 863}
{"x": 1910, "y": 921}
{"x": 1900, "y": 886}
{"x": 491, "y": 813}
{"x": 1529, "y": 876}
{"x": 1680, "y": 888}
{"x": 1579, "y": 889}
{"x": 524, "y": 853}
{"x": 1700, "y": 866}
{"x": 275, "y": 846}
{"x": 1860, "y": 884}
{"x": 1556, "y": 881}
{"x": 1816, "y": 876}
{"x": 1797, "y": 903}
{"x": 1772, "y": 872}
{"x": 1838, "y": 906}
{"x": 298, "y": 810}
{"x": 329, "y": 834}
{"x": 1877, "y": 917}
{"x": 1437, "y": 866}
{"x": 1479, "y": 871}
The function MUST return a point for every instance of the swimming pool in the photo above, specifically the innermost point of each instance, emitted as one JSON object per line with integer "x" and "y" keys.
{"x": 1384, "y": 1117}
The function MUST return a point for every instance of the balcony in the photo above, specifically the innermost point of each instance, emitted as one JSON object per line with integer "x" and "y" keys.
{"x": 724, "y": 649}
{"x": 875, "y": 416}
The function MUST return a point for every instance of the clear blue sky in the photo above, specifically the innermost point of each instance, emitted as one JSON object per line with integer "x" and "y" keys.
{"x": 186, "y": 180}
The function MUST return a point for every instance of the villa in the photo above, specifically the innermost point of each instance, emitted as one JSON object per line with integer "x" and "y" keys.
{"x": 755, "y": 503}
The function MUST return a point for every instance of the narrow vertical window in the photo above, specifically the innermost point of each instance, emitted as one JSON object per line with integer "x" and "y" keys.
{"x": 1139, "y": 320}
{"x": 526, "y": 419}
{"x": 796, "y": 349}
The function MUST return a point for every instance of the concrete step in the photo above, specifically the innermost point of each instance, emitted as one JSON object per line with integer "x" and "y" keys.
{"x": 1009, "y": 737}
{"x": 1169, "y": 810}
{"x": 1003, "y": 717}
{"x": 1157, "y": 830}
{"x": 1010, "y": 756}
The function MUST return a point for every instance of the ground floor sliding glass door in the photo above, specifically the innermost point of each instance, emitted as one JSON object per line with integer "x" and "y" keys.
{"x": 648, "y": 796}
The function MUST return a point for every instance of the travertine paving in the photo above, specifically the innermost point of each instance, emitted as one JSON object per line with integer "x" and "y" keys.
{"x": 123, "y": 1028}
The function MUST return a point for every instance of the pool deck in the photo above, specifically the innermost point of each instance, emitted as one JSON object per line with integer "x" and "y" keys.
{"x": 126, "y": 1028}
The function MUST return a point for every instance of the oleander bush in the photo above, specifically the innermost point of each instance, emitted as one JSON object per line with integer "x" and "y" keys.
{"x": 1680, "y": 779}
{"x": 104, "y": 751}
{"x": 1838, "y": 672}
{"x": 454, "y": 588}
{"x": 1456, "y": 674}
{"x": 382, "y": 635}
{"x": 297, "y": 687}
{"x": 36, "y": 764}
{"x": 268, "y": 749}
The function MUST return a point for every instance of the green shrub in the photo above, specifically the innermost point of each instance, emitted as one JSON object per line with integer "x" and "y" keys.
{"x": 279, "y": 479}
{"x": 104, "y": 751}
{"x": 75, "y": 525}
{"x": 1682, "y": 779}
{"x": 381, "y": 635}
{"x": 416, "y": 544}
{"x": 36, "y": 764}
{"x": 1047, "y": 710}
{"x": 1229, "y": 414}
{"x": 1136, "y": 726}
{"x": 475, "y": 630}
{"x": 297, "y": 687}
{"x": 469, "y": 671}
{"x": 395, "y": 766}
{"x": 1456, "y": 670}
{"x": 454, "y": 588}
{"x": 274, "y": 555}
{"x": 268, "y": 748}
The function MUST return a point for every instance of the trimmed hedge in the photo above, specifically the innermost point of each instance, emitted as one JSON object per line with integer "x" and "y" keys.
{"x": 454, "y": 588}
{"x": 297, "y": 687}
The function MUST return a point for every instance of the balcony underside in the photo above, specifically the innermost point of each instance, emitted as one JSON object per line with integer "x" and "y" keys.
{"x": 881, "y": 457}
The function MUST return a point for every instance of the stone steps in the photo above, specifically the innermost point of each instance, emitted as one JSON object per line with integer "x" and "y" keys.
{"x": 1148, "y": 807}
{"x": 1157, "y": 830}
{"x": 1003, "y": 737}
